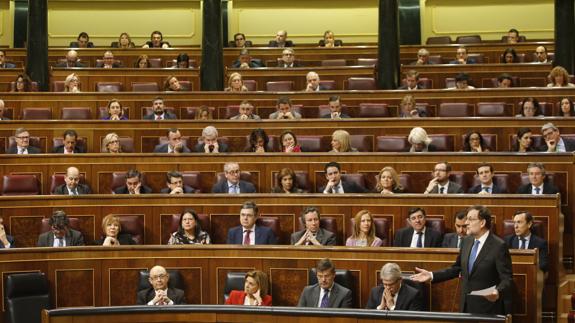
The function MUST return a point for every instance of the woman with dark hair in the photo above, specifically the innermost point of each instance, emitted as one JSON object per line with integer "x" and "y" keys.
{"x": 255, "y": 293}
{"x": 510, "y": 56}
{"x": 474, "y": 142}
{"x": 566, "y": 108}
{"x": 143, "y": 62}
{"x": 523, "y": 142}
{"x": 258, "y": 141}
{"x": 189, "y": 231}
{"x": 171, "y": 84}
{"x": 115, "y": 111}
{"x": 288, "y": 142}
{"x": 23, "y": 84}
{"x": 286, "y": 182}
{"x": 530, "y": 108}
{"x": 182, "y": 61}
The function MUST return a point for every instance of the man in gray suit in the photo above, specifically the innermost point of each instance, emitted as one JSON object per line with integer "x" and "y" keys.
{"x": 72, "y": 184}
{"x": 326, "y": 293}
{"x": 453, "y": 239}
{"x": 312, "y": 234}
{"x": 440, "y": 183}
{"x": 61, "y": 234}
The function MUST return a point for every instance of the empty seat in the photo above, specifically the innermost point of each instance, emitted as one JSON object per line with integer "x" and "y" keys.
{"x": 155, "y": 62}
{"x": 327, "y": 85}
{"x": 435, "y": 59}
{"x": 100, "y": 63}
{"x": 492, "y": 109}
{"x": 279, "y": 86}
{"x": 366, "y": 62}
{"x": 425, "y": 83}
{"x": 58, "y": 86}
{"x": 109, "y": 87}
{"x": 455, "y": 109}
{"x": 145, "y": 87}
{"x": 443, "y": 142}
{"x": 478, "y": 58}
{"x": 271, "y": 222}
{"x": 252, "y": 85}
{"x": 311, "y": 143}
{"x": 20, "y": 184}
{"x": 133, "y": 224}
{"x": 363, "y": 143}
{"x": 76, "y": 113}
{"x": 25, "y": 296}
{"x": 438, "y": 40}
{"x": 470, "y": 39}
{"x": 37, "y": 113}
{"x": 373, "y": 110}
{"x": 361, "y": 83}
{"x": 333, "y": 62}
{"x": 391, "y": 144}
{"x": 193, "y": 179}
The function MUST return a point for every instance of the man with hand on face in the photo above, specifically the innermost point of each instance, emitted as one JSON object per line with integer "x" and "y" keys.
{"x": 537, "y": 181}
{"x": 210, "y": 143}
{"x": 453, "y": 239}
{"x": 70, "y": 144}
{"x": 248, "y": 233}
{"x": 335, "y": 185}
{"x": 487, "y": 186}
{"x": 160, "y": 293}
{"x": 284, "y": 110}
{"x": 525, "y": 239}
{"x": 175, "y": 183}
{"x": 61, "y": 234}
{"x": 175, "y": 143}
{"x": 232, "y": 184}
{"x": 72, "y": 184}
{"x": 335, "y": 109}
{"x": 394, "y": 295}
{"x": 312, "y": 234}
{"x": 326, "y": 293}
{"x": 159, "y": 111}
{"x": 440, "y": 182}
{"x": 6, "y": 241}
{"x": 133, "y": 184}
{"x": 246, "y": 112}
{"x": 553, "y": 141}
{"x": 313, "y": 84}
{"x": 461, "y": 57}
{"x": 417, "y": 235}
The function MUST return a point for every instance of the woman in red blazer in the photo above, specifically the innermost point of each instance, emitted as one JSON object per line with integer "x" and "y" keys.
{"x": 255, "y": 291}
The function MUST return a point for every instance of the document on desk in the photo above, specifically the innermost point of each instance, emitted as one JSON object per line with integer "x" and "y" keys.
{"x": 484, "y": 292}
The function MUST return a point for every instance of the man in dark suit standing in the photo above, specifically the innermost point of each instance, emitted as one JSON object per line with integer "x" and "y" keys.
{"x": 395, "y": 294}
{"x": 133, "y": 184}
{"x": 537, "y": 182}
{"x": 160, "y": 113}
{"x": 485, "y": 174}
{"x": 22, "y": 146}
{"x": 483, "y": 262}
{"x": 525, "y": 239}
{"x": 209, "y": 142}
{"x": 312, "y": 234}
{"x": 72, "y": 184}
{"x": 454, "y": 239}
{"x": 335, "y": 109}
{"x": 6, "y": 241}
{"x": 248, "y": 233}
{"x": 159, "y": 293}
{"x": 70, "y": 144}
{"x": 417, "y": 235}
{"x": 175, "y": 144}
{"x": 553, "y": 141}
{"x": 326, "y": 293}
{"x": 61, "y": 234}
{"x": 71, "y": 60}
{"x": 3, "y": 63}
{"x": 440, "y": 183}
{"x": 281, "y": 40}
{"x": 232, "y": 183}
{"x": 335, "y": 185}
{"x": 175, "y": 183}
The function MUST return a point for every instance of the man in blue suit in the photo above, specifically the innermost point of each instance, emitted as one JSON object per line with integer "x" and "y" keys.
{"x": 525, "y": 239}
{"x": 248, "y": 233}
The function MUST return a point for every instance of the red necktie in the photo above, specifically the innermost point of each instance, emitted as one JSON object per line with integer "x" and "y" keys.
{"x": 158, "y": 117}
{"x": 247, "y": 240}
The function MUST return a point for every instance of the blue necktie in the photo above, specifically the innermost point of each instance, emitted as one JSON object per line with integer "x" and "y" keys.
{"x": 523, "y": 243}
{"x": 419, "y": 240}
{"x": 472, "y": 256}
{"x": 325, "y": 299}
{"x": 537, "y": 190}
{"x": 486, "y": 189}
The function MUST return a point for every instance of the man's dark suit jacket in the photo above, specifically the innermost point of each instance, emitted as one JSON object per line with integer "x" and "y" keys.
{"x": 187, "y": 190}
{"x": 404, "y": 87}
{"x": 254, "y": 62}
{"x": 328, "y": 116}
{"x": 176, "y": 295}
{"x": 81, "y": 188}
{"x": 163, "y": 148}
{"x": 60, "y": 150}
{"x": 124, "y": 190}
{"x": 72, "y": 238}
{"x": 469, "y": 61}
{"x": 450, "y": 240}
{"x": 453, "y": 188}
{"x": 222, "y": 187}
{"x": 10, "y": 240}
{"x": 264, "y": 235}
{"x": 31, "y": 150}
{"x": 8, "y": 65}
{"x": 403, "y": 236}
{"x": 348, "y": 187}
{"x": 114, "y": 65}
{"x": 162, "y": 43}
{"x": 548, "y": 188}
{"x": 494, "y": 190}
{"x": 167, "y": 116}
{"x": 569, "y": 146}
{"x": 325, "y": 237}
{"x": 492, "y": 267}
{"x": 274, "y": 43}
{"x": 408, "y": 298}
{"x": 74, "y": 44}
{"x": 222, "y": 147}
{"x": 282, "y": 64}
{"x": 340, "y": 297}
{"x": 65, "y": 64}
{"x": 512, "y": 242}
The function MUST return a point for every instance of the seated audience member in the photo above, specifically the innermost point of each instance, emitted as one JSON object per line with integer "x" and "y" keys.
{"x": 70, "y": 144}
{"x": 440, "y": 183}
{"x": 143, "y": 62}
{"x": 286, "y": 182}
{"x": 335, "y": 184}
{"x": 326, "y": 293}
{"x": 363, "y": 231}
{"x": 341, "y": 142}
{"x": 312, "y": 234}
{"x": 23, "y": 143}
{"x": 6, "y": 240}
{"x": 156, "y": 41}
{"x": 160, "y": 111}
{"x": 422, "y": 58}
{"x": 112, "y": 228}
{"x": 189, "y": 230}
{"x": 461, "y": 57}
{"x": 541, "y": 55}
{"x": 454, "y": 239}
{"x": 71, "y": 60}
{"x": 72, "y": 84}
{"x": 108, "y": 61}
{"x": 175, "y": 184}
{"x": 236, "y": 83}
{"x": 474, "y": 142}
{"x": 2, "y": 109}
{"x": 111, "y": 143}
{"x": 288, "y": 142}
{"x": 3, "y": 63}
{"x": 525, "y": 239}
{"x": 411, "y": 79}
{"x": 240, "y": 41}
{"x": 246, "y": 112}
{"x": 462, "y": 82}
{"x": 417, "y": 235}
{"x": 388, "y": 182}
{"x": 313, "y": 84}
{"x": 504, "y": 81}
{"x": 233, "y": 184}
{"x": 255, "y": 291}
{"x": 408, "y": 108}
{"x": 245, "y": 60}
{"x": 133, "y": 184}
{"x": 485, "y": 174}
{"x": 182, "y": 61}
{"x": 566, "y": 108}
{"x": 124, "y": 41}
{"x": 171, "y": 84}
{"x": 512, "y": 36}
{"x": 209, "y": 143}
{"x": 83, "y": 41}
{"x": 523, "y": 142}
{"x": 329, "y": 40}
{"x": 175, "y": 144}
{"x": 248, "y": 233}
{"x": 335, "y": 109}
{"x": 23, "y": 84}
{"x": 394, "y": 295}
{"x": 159, "y": 293}
{"x": 530, "y": 108}
{"x": 288, "y": 59}
{"x": 420, "y": 141}
{"x": 204, "y": 113}
{"x": 510, "y": 56}
{"x": 258, "y": 141}
{"x": 538, "y": 183}
{"x": 553, "y": 141}
{"x": 281, "y": 40}
{"x": 284, "y": 110}
{"x": 72, "y": 185}
{"x": 115, "y": 111}
{"x": 559, "y": 77}
{"x": 61, "y": 235}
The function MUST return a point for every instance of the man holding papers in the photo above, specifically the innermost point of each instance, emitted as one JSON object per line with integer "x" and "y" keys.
{"x": 483, "y": 262}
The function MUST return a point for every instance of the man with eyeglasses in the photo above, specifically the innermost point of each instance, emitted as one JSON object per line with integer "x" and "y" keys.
{"x": 108, "y": 61}
{"x": 240, "y": 41}
{"x": 159, "y": 293}
{"x": 440, "y": 183}
{"x": 553, "y": 141}
{"x": 326, "y": 293}
{"x": 3, "y": 63}
{"x": 288, "y": 59}
{"x": 22, "y": 146}
{"x": 417, "y": 234}
{"x": 175, "y": 144}
{"x": 72, "y": 185}
{"x": 175, "y": 183}
{"x": 61, "y": 235}
{"x": 232, "y": 183}
{"x": 394, "y": 294}
{"x": 248, "y": 233}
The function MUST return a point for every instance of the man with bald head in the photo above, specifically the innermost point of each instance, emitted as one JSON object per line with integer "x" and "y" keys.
{"x": 108, "y": 61}
{"x": 281, "y": 40}
{"x": 2, "y": 117}
{"x": 313, "y": 84}
{"x": 72, "y": 184}
{"x": 71, "y": 60}
{"x": 159, "y": 293}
